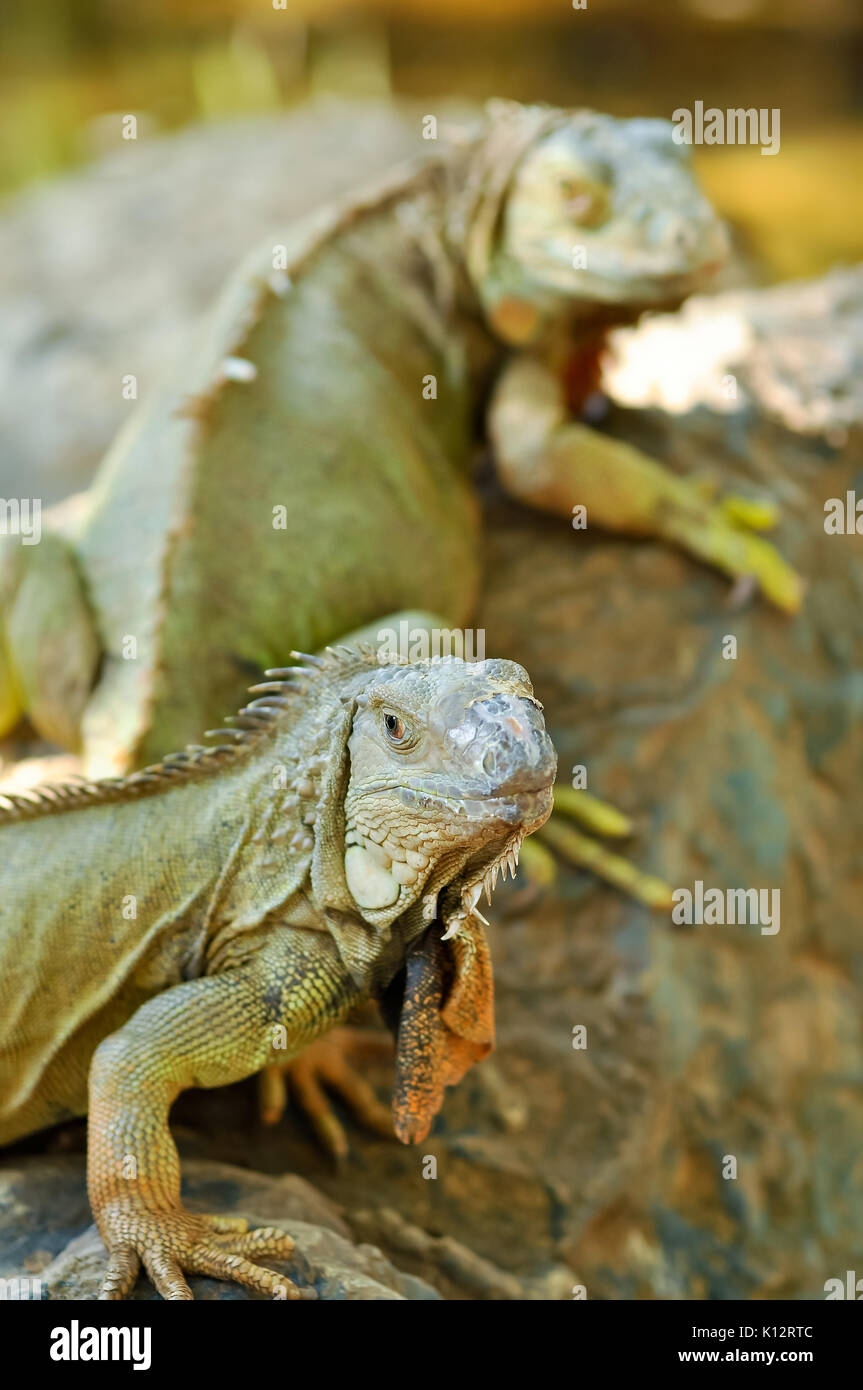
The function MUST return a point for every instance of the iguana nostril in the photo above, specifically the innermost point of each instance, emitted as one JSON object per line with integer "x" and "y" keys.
{"x": 516, "y": 726}
{"x": 667, "y": 229}
{"x": 513, "y": 750}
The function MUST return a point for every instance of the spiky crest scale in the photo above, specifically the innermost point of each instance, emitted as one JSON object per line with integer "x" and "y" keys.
{"x": 252, "y": 723}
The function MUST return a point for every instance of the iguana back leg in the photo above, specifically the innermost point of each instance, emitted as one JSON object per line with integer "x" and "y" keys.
{"x": 49, "y": 648}
{"x": 330, "y": 1065}
{"x": 207, "y": 1032}
{"x": 555, "y": 464}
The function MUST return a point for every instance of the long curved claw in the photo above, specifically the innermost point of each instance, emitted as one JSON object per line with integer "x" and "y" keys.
{"x": 483, "y": 1279}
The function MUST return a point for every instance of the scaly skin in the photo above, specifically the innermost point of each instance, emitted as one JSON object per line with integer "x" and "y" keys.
{"x": 208, "y": 1032}
{"x": 192, "y": 924}
{"x": 461, "y": 270}
{"x": 515, "y": 248}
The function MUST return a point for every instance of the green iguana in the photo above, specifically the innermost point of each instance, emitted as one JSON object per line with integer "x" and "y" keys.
{"x": 308, "y": 470}
{"x": 192, "y": 923}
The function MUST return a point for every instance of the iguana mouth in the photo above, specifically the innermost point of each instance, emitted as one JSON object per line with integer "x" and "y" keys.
{"x": 524, "y": 808}
{"x": 382, "y": 872}
{"x": 459, "y": 801}
{"x": 474, "y": 777}
{"x": 625, "y": 280}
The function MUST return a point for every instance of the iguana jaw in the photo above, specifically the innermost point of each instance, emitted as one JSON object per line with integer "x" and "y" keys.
{"x": 433, "y": 802}
{"x": 382, "y": 872}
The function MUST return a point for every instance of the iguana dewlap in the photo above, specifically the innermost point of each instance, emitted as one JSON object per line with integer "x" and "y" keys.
{"x": 307, "y": 469}
{"x": 212, "y": 915}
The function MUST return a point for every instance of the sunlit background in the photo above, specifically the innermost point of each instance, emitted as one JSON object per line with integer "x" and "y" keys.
{"x": 68, "y": 66}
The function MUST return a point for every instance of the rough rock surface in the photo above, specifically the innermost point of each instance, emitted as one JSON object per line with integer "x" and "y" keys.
{"x": 46, "y": 1230}
{"x": 794, "y": 352}
{"x": 705, "y": 1043}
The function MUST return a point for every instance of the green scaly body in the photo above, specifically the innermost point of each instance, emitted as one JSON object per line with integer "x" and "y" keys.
{"x": 213, "y": 915}
{"x": 115, "y": 898}
{"x": 238, "y": 520}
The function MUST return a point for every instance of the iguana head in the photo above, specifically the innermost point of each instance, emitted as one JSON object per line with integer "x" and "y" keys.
{"x": 578, "y": 213}
{"x": 402, "y": 790}
{"x": 413, "y": 785}
{"x": 450, "y": 767}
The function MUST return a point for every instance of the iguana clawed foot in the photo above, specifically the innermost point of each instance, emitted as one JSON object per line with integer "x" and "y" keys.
{"x": 586, "y": 853}
{"x": 726, "y": 533}
{"x": 560, "y": 465}
{"x": 171, "y": 1244}
{"x": 329, "y": 1065}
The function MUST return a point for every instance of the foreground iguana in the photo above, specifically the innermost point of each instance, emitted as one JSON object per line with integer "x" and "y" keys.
{"x": 307, "y": 472}
{"x": 189, "y": 924}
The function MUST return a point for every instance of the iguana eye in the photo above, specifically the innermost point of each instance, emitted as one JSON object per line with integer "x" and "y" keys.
{"x": 586, "y": 201}
{"x": 397, "y": 730}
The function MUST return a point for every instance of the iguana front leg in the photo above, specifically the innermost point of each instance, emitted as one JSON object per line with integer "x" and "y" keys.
{"x": 208, "y": 1032}
{"x": 554, "y": 464}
